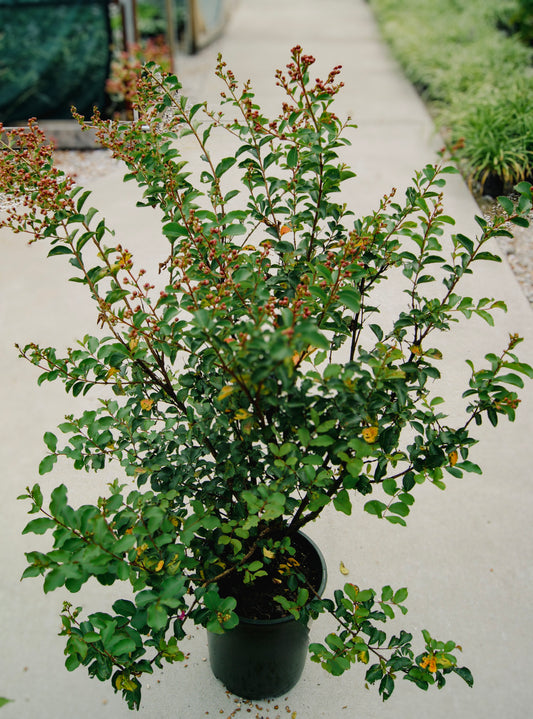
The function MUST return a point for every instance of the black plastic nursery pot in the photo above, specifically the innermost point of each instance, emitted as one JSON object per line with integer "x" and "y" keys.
{"x": 263, "y": 658}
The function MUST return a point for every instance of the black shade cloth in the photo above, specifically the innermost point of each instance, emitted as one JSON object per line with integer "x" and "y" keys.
{"x": 53, "y": 54}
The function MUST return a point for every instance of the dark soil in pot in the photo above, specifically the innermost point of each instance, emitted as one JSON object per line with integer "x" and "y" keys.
{"x": 255, "y": 600}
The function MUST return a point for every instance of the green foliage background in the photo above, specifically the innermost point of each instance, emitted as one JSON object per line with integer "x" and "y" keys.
{"x": 475, "y": 72}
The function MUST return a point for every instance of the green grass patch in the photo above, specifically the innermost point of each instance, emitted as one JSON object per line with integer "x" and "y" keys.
{"x": 476, "y": 78}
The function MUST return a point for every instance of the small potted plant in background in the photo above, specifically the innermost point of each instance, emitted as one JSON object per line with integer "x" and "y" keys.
{"x": 126, "y": 67}
{"x": 251, "y": 384}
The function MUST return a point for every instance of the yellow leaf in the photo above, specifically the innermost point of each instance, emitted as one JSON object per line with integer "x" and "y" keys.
{"x": 363, "y": 656}
{"x": 111, "y": 372}
{"x": 453, "y": 457}
{"x": 146, "y": 404}
{"x": 370, "y": 434}
{"x": 429, "y": 662}
{"x": 134, "y": 342}
{"x": 343, "y": 569}
{"x": 268, "y": 554}
{"x": 160, "y": 566}
{"x": 283, "y": 230}
{"x": 416, "y": 350}
{"x": 443, "y": 662}
{"x": 226, "y": 391}
{"x": 242, "y": 414}
{"x": 434, "y": 354}
{"x": 124, "y": 682}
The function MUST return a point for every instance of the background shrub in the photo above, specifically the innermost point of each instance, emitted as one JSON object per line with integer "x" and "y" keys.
{"x": 476, "y": 77}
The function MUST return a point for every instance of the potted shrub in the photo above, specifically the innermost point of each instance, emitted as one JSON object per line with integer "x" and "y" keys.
{"x": 251, "y": 384}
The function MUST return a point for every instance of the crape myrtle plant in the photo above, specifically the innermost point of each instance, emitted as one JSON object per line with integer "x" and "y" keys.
{"x": 251, "y": 384}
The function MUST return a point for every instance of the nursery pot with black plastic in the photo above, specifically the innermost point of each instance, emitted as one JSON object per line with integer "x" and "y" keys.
{"x": 263, "y": 658}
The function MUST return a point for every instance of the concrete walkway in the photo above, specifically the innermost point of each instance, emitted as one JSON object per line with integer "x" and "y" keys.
{"x": 466, "y": 554}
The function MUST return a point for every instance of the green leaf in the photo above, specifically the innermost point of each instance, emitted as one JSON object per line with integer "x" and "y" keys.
{"x": 374, "y": 673}
{"x": 351, "y": 298}
{"x": 326, "y": 426}
{"x": 121, "y": 645}
{"x": 520, "y": 367}
{"x": 465, "y": 674}
{"x": 486, "y": 316}
{"x": 314, "y": 338}
{"x": 303, "y": 435}
{"x": 60, "y": 250}
{"x": 386, "y": 686}
{"x": 520, "y": 221}
{"x": 376, "y": 329}
{"x": 47, "y": 464}
{"x": 470, "y": 467}
{"x": 386, "y": 593}
{"x": 157, "y": 616}
{"x": 510, "y": 378}
{"x": 124, "y": 607}
{"x": 31, "y": 572}
{"x": 375, "y": 507}
{"x": 466, "y": 242}
{"x": 58, "y": 500}
{"x": 506, "y": 204}
{"x": 39, "y": 526}
{"x": 125, "y": 543}
{"x": 51, "y": 441}
{"x": 399, "y": 508}
{"x": 54, "y": 579}
{"x": 354, "y": 467}
{"x": 72, "y": 662}
{"x": 488, "y": 256}
{"x": 292, "y": 157}
{"x": 91, "y": 637}
{"x": 390, "y": 487}
{"x": 37, "y": 495}
{"x": 334, "y": 642}
{"x": 233, "y": 230}
{"x": 224, "y": 165}
{"x": 322, "y": 441}
{"x": 393, "y": 519}
{"x": 400, "y": 595}
{"x": 342, "y": 502}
